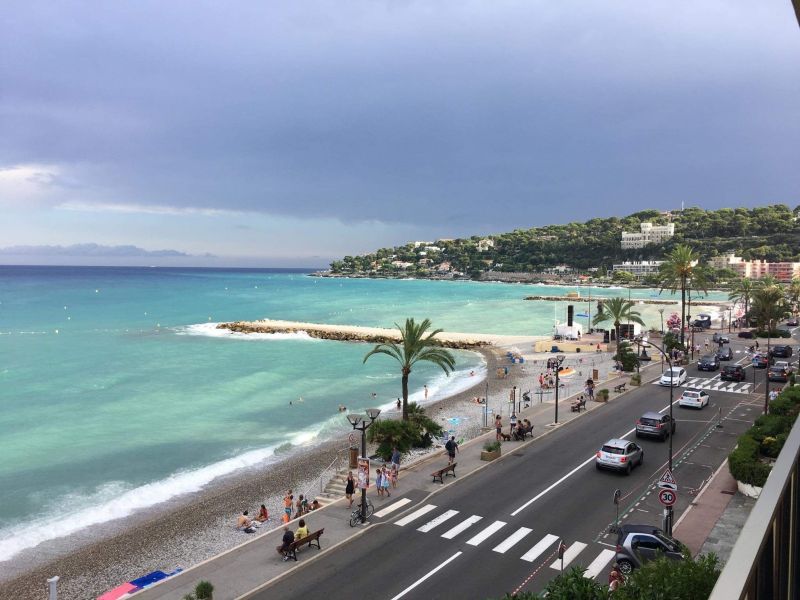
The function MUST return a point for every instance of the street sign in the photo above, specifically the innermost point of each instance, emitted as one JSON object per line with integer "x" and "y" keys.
{"x": 667, "y": 497}
{"x": 667, "y": 481}
{"x": 352, "y": 438}
{"x": 617, "y": 495}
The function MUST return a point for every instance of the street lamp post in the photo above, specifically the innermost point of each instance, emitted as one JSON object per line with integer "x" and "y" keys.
{"x": 359, "y": 422}
{"x": 558, "y": 360}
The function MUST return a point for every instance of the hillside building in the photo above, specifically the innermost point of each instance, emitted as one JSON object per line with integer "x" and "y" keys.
{"x": 649, "y": 234}
{"x": 639, "y": 268}
{"x": 756, "y": 269}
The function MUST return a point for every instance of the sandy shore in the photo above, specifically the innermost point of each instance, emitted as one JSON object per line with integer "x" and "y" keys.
{"x": 195, "y": 527}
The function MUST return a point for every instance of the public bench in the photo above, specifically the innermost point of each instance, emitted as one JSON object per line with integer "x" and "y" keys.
{"x": 291, "y": 551}
{"x": 620, "y": 388}
{"x": 578, "y": 405}
{"x": 440, "y": 474}
{"x": 521, "y": 432}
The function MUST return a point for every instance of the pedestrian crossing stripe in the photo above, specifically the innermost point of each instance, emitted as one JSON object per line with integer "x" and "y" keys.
{"x": 509, "y": 542}
{"x": 715, "y": 385}
{"x": 437, "y": 521}
{"x": 464, "y": 525}
{"x": 569, "y": 555}
{"x": 543, "y": 544}
{"x": 599, "y": 563}
{"x": 489, "y": 531}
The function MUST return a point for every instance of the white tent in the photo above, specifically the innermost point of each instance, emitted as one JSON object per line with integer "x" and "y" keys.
{"x": 569, "y": 332}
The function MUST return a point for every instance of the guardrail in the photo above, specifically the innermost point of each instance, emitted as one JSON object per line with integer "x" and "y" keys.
{"x": 765, "y": 562}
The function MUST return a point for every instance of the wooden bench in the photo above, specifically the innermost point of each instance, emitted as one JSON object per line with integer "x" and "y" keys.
{"x": 620, "y": 388}
{"x": 577, "y": 406}
{"x": 520, "y": 433}
{"x": 448, "y": 470}
{"x": 291, "y": 551}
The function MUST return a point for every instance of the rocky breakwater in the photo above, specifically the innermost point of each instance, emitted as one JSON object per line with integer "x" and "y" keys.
{"x": 351, "y": 333}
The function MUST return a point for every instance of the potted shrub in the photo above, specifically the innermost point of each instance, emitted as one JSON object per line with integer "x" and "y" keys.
{"x": 602, "y": 395}
{"x": 202, "y": 591}
{"x": 491, "y": 450}
{"x": 636, "y": 379}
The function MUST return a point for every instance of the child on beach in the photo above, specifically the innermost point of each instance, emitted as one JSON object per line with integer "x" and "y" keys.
{"x": 263, "y": 514}
{"x": 287, "y": 506}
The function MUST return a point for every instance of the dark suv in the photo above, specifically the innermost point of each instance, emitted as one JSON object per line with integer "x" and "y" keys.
{"x": 733, "y": 373}
{"x": 709, "y": 362}
{"x": 638, "y": 544}
{"x": 781, "y": 351}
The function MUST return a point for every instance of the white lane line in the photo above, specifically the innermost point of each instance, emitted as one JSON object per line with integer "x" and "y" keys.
{"x": 560, "y": 481}
{"x": 599, "y": 563}
{"x": 393, "y": 507}
{"x": 477, "y": 539}
{"x": 437, "y": 521}
{"x": 465, "y": 524}
{"x": 506, "y": 545}
{"x": 569, "y": 555}
{"x": 542, "y": 545}
{"x": 428, "y": 575}
{"x": 416, "y": 514}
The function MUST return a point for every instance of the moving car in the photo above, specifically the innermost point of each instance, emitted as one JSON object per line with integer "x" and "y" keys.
{"x": 733, "y": 373}
{"x": 709, "y": 362}
{"x": 693, "y": 399}
{"x": 784, "y": 364}
{"x": 760, "y": 361}
{"x": 620, "y": 455}
{"x": 746, "y": 334}
{"x": 655, "y": 424}
{"x": 777, "y": 373}
{"x": 725, "y": 353}
{"x": 791, "y": 323}
{"x": 702, "y": 320}
{"x": 674, "y": 376}
{"x": 718, "y": 337}
{"x": 781, "y": 351}
{"x": 638, "y": 544}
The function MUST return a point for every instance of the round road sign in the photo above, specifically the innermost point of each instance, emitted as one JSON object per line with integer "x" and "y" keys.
{"x": 352, "y": 438}
{"x": 667, "y": 497}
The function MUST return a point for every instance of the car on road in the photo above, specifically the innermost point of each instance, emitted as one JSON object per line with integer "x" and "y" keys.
{"x": 745, "y": 334}
{"x": 718, "y": 337}
{"x": 619, "y": 455}
{"x": 791, "y": 323}
{"x": 693, "y": 399}
{"x": 674, "y": 376}
{"x": 639, "y": 544}
{"x": 760, "y": 361}
{"x": 653, "y": 424}
{"x": 703, "y": 321}
{"x": 784, "y": 364}
{"x": 778, "y": 374}
{"x": 725, "y": 353}
{"x": 709, "y": 362}
{"x": 733, "y": 373}
{"x": 781, "y": 351}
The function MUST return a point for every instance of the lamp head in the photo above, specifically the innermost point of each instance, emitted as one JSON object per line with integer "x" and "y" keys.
{"x": 355, "y": 419}
{"x": 373, "y": 413}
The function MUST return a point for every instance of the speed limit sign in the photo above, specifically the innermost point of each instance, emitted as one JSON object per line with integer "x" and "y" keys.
{"x": 667, "y": 497}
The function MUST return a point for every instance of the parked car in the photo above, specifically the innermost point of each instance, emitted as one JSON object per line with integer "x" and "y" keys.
{"x": 784, "y": 364}
{"x": 718, "y": 337}
{"x": 709, "y": 362}
{"x": 620, "y": 455}
{"x": 655, "y": 425}
{"x": 760, "y": 361}
{"x": 781, "y": 351}
{"x": 791, "y": 323}
{"x": 674, "y": 376}
{"x": 703, "y": 321}
{"x": 693, "y": 399}
{"x": 778, "y": 374}
{"x": 725, "y": 353}
{"x": 733, "y": 373}
{"x": 746, "y": 334}
{"x": 638, "y": 544}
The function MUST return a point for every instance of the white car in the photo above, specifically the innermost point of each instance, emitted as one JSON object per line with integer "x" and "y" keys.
{"x": 783, "y": 364}
{"x": 675, "y": 376}
{"x": 693, "y": 399}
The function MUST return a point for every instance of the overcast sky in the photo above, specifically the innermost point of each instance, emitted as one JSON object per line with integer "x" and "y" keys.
{"x": 289, "y": 133}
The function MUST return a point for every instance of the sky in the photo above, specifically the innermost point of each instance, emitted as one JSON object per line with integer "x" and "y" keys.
{"x": 292, "y": 133}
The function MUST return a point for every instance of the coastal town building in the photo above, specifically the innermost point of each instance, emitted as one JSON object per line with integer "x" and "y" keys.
{"x": 485, "y": 244}
{"x": 648, "y": 234}
{"x": 756, "y": 269}
{"x": 639, "y": 268}
{"x": 418, "y": 244}
{"x": 401, "y": 264}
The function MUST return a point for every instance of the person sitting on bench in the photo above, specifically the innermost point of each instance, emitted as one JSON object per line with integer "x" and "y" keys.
{"x": 302, "y": 530}
{"x": 578, "y": 404}
{"x": 286, "y": 541}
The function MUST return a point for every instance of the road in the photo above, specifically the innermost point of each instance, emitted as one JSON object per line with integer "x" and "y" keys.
{"x": 497, "y": 531}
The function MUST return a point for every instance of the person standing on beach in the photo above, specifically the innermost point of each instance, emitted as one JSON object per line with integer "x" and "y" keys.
{"x": 399, "y": 404}
{"x": 349, "y": 489}
{"x": 287, "y": 506}
{"x": 425, "y": 388}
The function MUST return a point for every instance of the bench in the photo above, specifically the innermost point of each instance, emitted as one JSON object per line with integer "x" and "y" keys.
{"x": 520, "y": 433}
{"x": 291, "y": 551}
{"x": 620, "y": 388}
{"x": 440, "y": 474}
{"x": 577, "y": 406}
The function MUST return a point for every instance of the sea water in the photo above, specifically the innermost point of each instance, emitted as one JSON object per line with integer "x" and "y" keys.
{"x": 117, "y": 392}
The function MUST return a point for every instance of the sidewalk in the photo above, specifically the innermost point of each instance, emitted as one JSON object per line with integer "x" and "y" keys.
{"x": 254, "y": 563}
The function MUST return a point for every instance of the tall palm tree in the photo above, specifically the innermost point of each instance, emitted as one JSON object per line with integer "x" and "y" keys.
{"x": 769, "y": 306}
{"x": 617, "y": 310}
{"x": 415, "y": 346}
{"x": 742, "y": 293}
{"x": 678, "y": 272}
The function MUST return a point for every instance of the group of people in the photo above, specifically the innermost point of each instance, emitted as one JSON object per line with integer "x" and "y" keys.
{"x": 248, "y": 525}
{"x": 517, "y": 429}
{"x": 289, "y": 537}
{"x": 615, "y": 578}
{"x": 301, "y": 506}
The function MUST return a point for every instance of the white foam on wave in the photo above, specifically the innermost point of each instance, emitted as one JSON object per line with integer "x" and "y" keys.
{"x": 210, "y": 330}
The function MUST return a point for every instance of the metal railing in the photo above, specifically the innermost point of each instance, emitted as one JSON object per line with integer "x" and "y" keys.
{"x": 324, "y": 478}
{"x": 765, "y": 562}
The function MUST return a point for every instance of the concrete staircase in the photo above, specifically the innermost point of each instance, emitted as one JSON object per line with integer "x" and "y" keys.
{"x": 334, "y": 490}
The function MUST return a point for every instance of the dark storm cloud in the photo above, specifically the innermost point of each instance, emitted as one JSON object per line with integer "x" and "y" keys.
{"x": 479, "y": 115}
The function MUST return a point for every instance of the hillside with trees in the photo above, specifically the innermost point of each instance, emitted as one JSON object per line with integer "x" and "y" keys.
{"x": 770, "y": 233}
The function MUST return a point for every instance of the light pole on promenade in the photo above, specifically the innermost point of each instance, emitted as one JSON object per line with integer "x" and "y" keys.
{"x": 359, "y": 422}
{"x": 557, "y": 362}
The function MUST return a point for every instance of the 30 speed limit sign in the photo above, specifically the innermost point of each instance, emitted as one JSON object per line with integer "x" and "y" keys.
{"x": 667, "y": 497}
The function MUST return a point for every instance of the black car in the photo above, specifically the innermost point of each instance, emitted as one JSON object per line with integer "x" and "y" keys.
{"x": 718, "y": 337}
{"x": 725, "y": 353}
{"x": 709, "y": 362}
{"x": 746, "y": 334}
{"x": 733, "y": 373}
{"x": 778, "y": 374}
{"x": 781, "y": 351}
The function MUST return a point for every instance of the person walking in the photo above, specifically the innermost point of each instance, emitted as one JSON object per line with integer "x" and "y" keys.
{"x": 379, "y": 482}
{"x": 513, "y": 423}
{"x": 452, "y": 447}
{"x": 498, "y": 425}
{"x": 395, "y": 459}
{"x": 385, "y": 483}
{"x": 349, "y": 489}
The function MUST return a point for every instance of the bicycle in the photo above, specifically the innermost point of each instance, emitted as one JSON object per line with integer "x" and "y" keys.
{"x": 356, "y": 517}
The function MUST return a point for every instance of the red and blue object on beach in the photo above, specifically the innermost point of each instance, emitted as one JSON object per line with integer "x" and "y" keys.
{"x": 137, "y": 584}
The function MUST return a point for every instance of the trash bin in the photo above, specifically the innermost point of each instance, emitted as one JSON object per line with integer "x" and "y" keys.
{"x": 353, "y": 457}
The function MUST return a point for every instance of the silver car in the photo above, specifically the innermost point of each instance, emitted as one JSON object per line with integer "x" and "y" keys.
{"x": 619, "y": 455}
{"x": 655, "y": 424}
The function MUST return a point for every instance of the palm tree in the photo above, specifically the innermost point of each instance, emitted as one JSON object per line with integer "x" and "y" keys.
{"x": 794, "y": 294}
{"x": 676, "y": 273}
{"x": 769, "y": 306}
{"x": 617, "y": 310}
{"x": 742, "y": 293}
{"x": 415, "y": 346}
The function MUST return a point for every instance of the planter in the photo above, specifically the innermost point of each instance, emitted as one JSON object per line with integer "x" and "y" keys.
{"x": 751, "y": 491}
{"x": 490, "y": 456}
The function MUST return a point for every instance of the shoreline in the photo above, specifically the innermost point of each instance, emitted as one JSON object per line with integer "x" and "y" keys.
{"x": 187, "y": 530}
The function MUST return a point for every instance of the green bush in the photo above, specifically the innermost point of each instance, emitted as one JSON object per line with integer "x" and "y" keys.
{"x": 204, "y": 591}
{"x": 744, "y": 462}
{"x": 666, "y": 579}
{"x": 602, "y": 395}
{"x": 627, "y": 357}
{"x": 570, "y": 585}
{"x": 636, "y": 379}
{"x": 784, "y": 407}
{"x": 775, "y": 333}
{"x": 492, "y": 446}
{"x": 417, "y": 432}
{"x": 772, "y": 446}
{"x": 769, "y": 426}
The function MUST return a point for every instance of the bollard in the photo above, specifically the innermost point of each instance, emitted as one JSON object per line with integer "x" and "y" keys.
{"x": 53, "y": 581}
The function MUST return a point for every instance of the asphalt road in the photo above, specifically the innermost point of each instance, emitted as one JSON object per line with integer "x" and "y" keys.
{"x": 497, "y": 531}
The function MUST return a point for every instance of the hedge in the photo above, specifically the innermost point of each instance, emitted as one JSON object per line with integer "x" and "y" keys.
{"x": 745, "y": 465}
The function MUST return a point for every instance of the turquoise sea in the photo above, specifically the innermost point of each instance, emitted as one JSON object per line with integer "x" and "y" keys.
{"x": 117, "y": 393}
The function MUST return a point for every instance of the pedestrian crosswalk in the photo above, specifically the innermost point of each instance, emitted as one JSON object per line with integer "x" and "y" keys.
{"x": 519, "y": 540}
{"x": 715, "y": 384}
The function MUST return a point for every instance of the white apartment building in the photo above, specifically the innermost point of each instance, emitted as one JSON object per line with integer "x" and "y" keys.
{"x": 639, "y": 268}
{"x": 756, "y": 269}
{"x": 649, "y": 234}
{"x": 485, "y": 244}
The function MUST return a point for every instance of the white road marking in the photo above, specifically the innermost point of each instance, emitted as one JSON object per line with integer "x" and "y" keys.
{"x": 477, "y": 539}
{"x": 599, "y": 563}
{"x": 570, "y": 554}
{"x": 506, "y": 545}
{"x": 437, "y": 521}
{"x": 542, "y": 545}
{"x": 465, "y": 524}
{"x": 427, "y": 576}
{"x": 416, "y": 514}
{"x": 393, "y": 507}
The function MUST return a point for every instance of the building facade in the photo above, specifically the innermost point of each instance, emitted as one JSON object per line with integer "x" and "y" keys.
{"x": 639, "y": 268}
{"x": 648, "y": 234}
{"x": 756, "y": 269}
